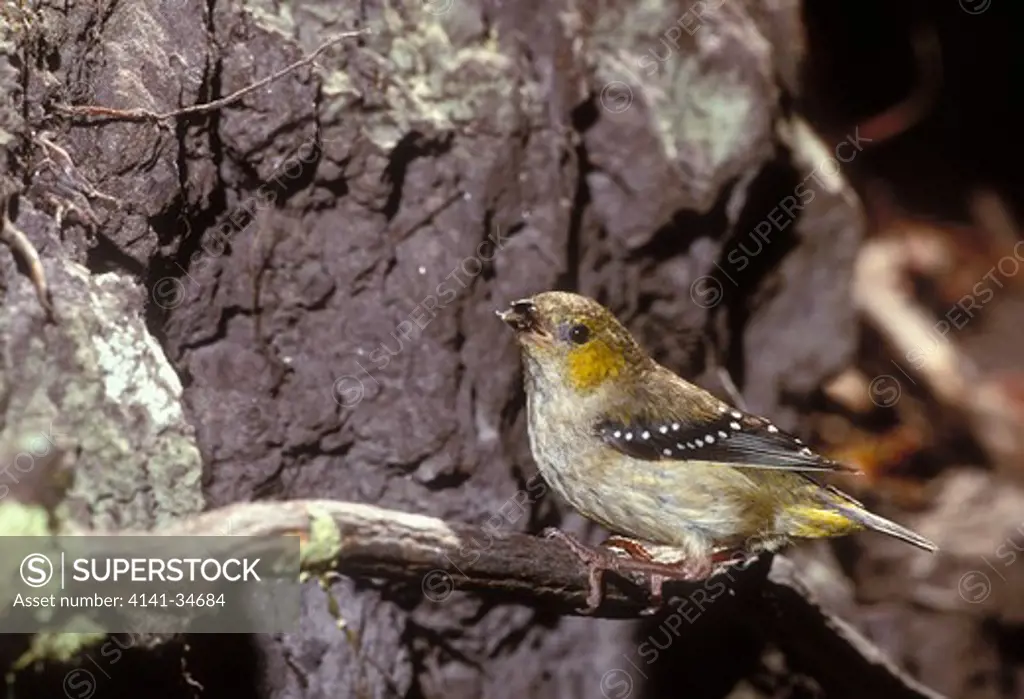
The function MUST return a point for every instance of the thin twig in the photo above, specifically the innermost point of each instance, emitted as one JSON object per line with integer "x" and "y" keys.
{"x": 910, "y": 111}
{"x": 19, "y": 243}
{"x": 67, "y": 167}
{"x": 139, "y": 114}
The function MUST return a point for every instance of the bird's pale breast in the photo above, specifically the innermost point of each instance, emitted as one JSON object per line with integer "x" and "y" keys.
{"x": 692, "y": 505}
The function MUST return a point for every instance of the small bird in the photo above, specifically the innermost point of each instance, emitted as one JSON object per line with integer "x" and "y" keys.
{"x": 685, "y": 481}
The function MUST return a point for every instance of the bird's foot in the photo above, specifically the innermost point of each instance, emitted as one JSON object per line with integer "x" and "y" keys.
{"x": 599, "y": 560}
{"x": 660, "y": 564}
{"x": 596, "y": 560}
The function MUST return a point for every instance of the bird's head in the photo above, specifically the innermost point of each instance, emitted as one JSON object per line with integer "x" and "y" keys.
{"x": 572, "y": 341}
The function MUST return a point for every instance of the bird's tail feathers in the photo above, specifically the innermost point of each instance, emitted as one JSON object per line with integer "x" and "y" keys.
{"x": 885, "y": 526}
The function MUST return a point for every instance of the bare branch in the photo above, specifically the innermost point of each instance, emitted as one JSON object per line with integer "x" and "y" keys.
{"x": 139, "y": 114}
{"x": 439, "y": 558}
{"x": 829, "y": 648}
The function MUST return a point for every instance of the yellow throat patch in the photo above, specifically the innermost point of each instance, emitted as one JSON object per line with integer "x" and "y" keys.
{"x": 592, "y": 364}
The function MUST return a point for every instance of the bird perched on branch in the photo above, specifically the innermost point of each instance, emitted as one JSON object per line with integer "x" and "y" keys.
{"x": 684, "y": 481}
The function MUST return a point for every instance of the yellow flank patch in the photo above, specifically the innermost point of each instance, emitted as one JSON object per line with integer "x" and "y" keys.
{"x": 592, "y": 364}
{"x": 816, "y": 523}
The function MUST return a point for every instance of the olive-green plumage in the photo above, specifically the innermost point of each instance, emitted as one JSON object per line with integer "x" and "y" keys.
{"x": 652, "y": 457}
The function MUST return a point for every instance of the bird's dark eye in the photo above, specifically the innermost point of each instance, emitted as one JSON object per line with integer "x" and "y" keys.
{"x": 579, "y": 334}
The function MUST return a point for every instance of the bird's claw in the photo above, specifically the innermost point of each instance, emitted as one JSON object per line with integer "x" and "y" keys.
{"x": 634, "y": 560}
{"x": 596, "y": 562}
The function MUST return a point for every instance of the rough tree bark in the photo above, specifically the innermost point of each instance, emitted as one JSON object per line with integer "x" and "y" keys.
{"x": 236, "y": 293}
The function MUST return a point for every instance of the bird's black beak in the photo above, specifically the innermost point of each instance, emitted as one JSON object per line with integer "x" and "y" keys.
{"x": 521, "y": 317}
